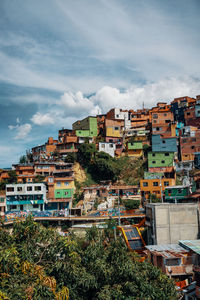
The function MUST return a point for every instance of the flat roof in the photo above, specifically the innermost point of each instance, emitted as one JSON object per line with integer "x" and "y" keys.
{"x": 177, "y": 187}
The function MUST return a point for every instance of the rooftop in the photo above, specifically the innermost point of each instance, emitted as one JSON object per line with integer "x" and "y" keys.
{"x": 193, "y": 245}
{"x": 168, "y": 251}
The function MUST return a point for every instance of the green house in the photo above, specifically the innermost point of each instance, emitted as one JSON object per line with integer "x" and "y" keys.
{"x": 179, "y": 193}
{"x": 63, "y": 193}
{"x": 86, "y": 127}
{"x": 135, "y": 146}
{"x": 160, "y": 159}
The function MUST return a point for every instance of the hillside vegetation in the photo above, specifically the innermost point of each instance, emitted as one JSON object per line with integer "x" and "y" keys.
{"x": 99, "y": 166}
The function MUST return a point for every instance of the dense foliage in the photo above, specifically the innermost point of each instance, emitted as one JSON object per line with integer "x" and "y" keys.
{"x": 12, "y": 179}
{"x": 131, "y": 204}
{"x": 38, "y": 263}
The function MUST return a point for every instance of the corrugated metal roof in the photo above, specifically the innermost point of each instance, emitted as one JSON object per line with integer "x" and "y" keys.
{"x": 193, "y": 245}
{"x": 173, "y": 247}
{"x": 168, "y": 251}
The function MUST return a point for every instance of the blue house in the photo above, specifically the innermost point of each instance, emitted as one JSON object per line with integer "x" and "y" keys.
{"x": 160, "y": 144}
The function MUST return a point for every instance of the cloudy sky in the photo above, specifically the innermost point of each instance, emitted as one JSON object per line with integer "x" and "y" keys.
{"x": 61, "y": 60}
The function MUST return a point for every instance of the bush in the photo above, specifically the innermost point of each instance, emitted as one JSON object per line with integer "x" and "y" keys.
{"x": 131, "y": 204}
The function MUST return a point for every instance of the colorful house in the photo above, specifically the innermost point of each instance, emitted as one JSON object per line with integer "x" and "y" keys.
{"x": 189, "y": 143}
{"x": 61, "y": 187}
{"x": 179, "y": 193}
{"x": 120, "y": 114}
{"x": 134, "y": 149}
{"x": 160, "y": 161}
{"x": 155, "y": 186}
{"x": 86, "y": 127}
{"x": 159, "y": 143}
{"x": 44, "y": 152}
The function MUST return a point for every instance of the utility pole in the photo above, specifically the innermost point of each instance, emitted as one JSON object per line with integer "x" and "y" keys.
{"x": 119, "y": 221}
{"x": 161, "y": 189}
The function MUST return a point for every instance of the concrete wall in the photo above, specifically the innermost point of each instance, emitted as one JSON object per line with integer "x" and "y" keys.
{"x": 108, "y": 148}
{"x": 169, "y": 223}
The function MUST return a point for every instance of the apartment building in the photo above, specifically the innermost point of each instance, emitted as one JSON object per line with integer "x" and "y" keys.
{"x": 28, "y": 196}
{"x": 45, "y": 151}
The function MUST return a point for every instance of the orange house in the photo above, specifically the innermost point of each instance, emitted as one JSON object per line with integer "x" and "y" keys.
{"x": 25, "y": 173}
{"x": 155, "y": 186}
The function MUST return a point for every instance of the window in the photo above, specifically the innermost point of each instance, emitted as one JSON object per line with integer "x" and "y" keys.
{"x": 58, "y": 183}
{"x": 166, "y": 183}
{"x": 66, "y": 193}
{"x": 66, "y": 183}
{"x": 145, "y": 183}
{"x": 50, "y": 179}
{"x": 19, "y": 188}
{"x": 166, "y": 154}
{"x": 35, "y": 205}
{"x": 153, "y": 162}
{"x": 153, "y": 154}
{"x": 117, "y": 116}
{"x": 163, "y": 141}
{"x": 102, "y": 145}
{"x": 155, "y": 183}
{"x": 165, "y": 114}
{"x": 29, "y": 188}
{"x": 179, "y": 191}
{"x": 192, "y": 147}
{"x": 169, "y": 191}
{"x": 173, "y": 262}
{"x": 38, "y": 188}
{"x": 162, "y": 161}
{"x": 116, "y": 128}
{"x": 157, "y": 128}
{"x": 188, "y": 113}
{"x": 193, "y": 139}
{"x": 154, "y": 121}
{"x": 13, "y": 207}
{"x": 111, "y": 145}
{"x": 167, "y": 121}
{"x": 10, "y": 189}
{"x": 184, "y": 140}
{"x": 91, "y": 132}
{"x": 155, "y": 116}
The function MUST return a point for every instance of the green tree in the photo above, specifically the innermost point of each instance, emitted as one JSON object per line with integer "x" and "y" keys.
{"x": 23, "y": 159}
{"x": 131, "y": 204}
{"x": 38, "y": 179}
{"x": 37, "y": 263}
{"x": 85, "y": 154}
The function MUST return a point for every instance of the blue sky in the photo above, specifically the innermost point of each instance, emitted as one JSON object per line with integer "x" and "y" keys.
{"x": 61, "y": 60}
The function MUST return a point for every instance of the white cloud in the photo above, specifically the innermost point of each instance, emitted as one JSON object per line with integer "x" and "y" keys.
{"x": 149, "y": 94}
{"x": 22, "y": 131}
{"x": 77, "y": 104}
{"x": 42, "y": 119}
{"x": 73, "y": 106}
